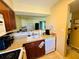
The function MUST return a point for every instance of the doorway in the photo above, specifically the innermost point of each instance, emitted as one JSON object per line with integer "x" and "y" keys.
{"x": 73, "y": 26}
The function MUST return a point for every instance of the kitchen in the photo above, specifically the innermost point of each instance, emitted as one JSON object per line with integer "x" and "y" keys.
{"x": 36, "y": 35}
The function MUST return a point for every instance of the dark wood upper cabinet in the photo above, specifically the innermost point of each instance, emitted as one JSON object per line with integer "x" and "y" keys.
{"x": 9, "y": 16}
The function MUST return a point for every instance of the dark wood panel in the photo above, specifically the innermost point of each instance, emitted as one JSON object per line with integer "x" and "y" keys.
{"x": 9, "y": 16}
{"x": 6, "y": 20}
{"x": 33, "y": 51}
{"x": 12, "y": 20}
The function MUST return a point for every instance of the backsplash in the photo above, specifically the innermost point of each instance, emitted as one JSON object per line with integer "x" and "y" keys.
{"x": 28, "y": 21}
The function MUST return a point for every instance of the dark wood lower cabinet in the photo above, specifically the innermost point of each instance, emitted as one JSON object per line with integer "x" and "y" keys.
{"x": 33, "y": 50}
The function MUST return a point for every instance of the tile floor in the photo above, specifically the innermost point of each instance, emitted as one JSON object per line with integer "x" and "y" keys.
{"x": 53, "y": 55}
{"x": 72, "y": 54}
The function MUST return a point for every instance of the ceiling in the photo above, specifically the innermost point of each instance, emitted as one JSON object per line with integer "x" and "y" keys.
{"x": 74, "y": 6}
{"x": 42, "y": 3}
{"x": 32, "y": 7}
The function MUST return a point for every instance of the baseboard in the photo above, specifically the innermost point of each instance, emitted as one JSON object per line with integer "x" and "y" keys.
{"x": 74, "y": 47}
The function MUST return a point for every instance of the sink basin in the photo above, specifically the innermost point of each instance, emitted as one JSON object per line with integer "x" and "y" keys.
{"x": 35, "y": 38}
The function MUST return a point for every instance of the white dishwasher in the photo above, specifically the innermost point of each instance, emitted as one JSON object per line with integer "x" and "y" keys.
{"x": 49, "y": 45}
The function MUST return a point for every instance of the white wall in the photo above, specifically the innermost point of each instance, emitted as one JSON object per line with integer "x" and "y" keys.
{"x": 59, "y": 18}
{"x": 30, "y": 8}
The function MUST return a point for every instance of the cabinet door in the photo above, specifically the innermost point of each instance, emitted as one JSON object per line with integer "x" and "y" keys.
{"x": 40, "y": 50}
{"x": 12, "y": 20}
{"x": 9, "y": 19}
{"x": 9, "y": 16}
{"x": 33, "y": 50}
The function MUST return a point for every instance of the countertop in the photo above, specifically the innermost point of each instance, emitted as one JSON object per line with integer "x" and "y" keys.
{"x": 19, "y": 42}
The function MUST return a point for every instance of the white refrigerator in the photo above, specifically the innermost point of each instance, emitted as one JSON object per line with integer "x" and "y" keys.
{"x": 2, "y": 25}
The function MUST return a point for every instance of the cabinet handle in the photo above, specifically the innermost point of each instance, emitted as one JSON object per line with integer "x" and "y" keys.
{"x": 75, "y": 28}
{"x": 41, "y": 44}
{"x": 1, "y": 22}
